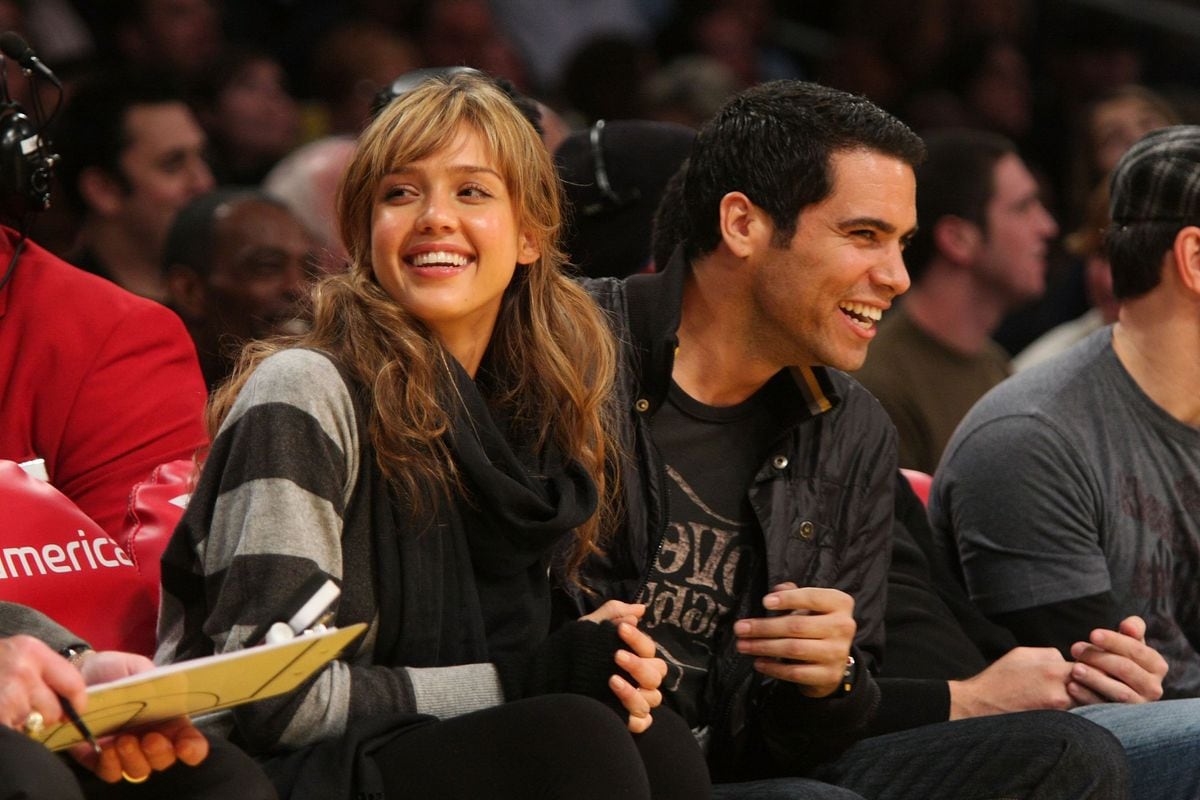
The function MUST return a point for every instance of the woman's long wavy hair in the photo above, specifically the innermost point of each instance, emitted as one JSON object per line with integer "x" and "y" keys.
{"x": 551, "y": 348}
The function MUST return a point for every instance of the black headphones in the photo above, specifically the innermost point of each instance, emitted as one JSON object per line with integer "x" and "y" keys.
{"x": 26, "y": 162}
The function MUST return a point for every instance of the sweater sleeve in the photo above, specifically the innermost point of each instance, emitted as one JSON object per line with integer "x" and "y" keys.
{"x": 266, "y": 515}
{"x": 17, "y": 619}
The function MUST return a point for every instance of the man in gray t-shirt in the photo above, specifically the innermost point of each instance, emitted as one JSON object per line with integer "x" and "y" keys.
{"x": 1069, "y": 497}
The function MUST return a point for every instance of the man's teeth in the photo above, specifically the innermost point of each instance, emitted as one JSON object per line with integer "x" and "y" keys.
{"x": 439, "y": 258}
{"x": 862, "y": 315}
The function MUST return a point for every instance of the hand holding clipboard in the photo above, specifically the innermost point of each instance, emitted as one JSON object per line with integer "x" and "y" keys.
{"x": 293, "y": 650}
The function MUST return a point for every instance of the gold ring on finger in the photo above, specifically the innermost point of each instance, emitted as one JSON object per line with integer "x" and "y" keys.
{"x": 132, "y": 779}
{"x": 35, "y": 723}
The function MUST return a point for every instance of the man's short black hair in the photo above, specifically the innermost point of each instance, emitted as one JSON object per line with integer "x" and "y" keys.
{"x": 774, "y": 143}
{"x": 91, "y": 131}
{"x": 1135, "y": 255}
{"x": 670, "y": 220}
{"x": 957, "y": 179}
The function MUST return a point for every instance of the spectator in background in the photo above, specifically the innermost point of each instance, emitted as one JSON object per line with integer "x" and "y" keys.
{"x": 237, "y": 264}
{"x": 689, "y": 90}
{"x": 983, "y": 82}
{"x": 133, "y": 154}
{"x": 613, "y": 175}
{"x": 1086, "y": 244}
{"x": 1108, "y": 127}
{"x": 469, "y": 33}
{"x": 1069, "y": 498}
{"x": 306, "y": 181}
{"x": 605, "y": 78}
{"x": 181, "y": 38}
{"x": 979, "y": 253}
{"x": 548, "y": 35}
{"x": 250, "y": 118}
{"x": 1100, "y": 133}
{"x": 349, "y": 67}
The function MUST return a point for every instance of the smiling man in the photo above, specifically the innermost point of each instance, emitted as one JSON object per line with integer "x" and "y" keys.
{"x": 758, "y": 487}
{"x": 133, "y": 154}
{"x": 981, "y": 253}
{"x": 237, "y": 263}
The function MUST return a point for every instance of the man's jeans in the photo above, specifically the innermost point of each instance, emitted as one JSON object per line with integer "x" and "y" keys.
{"x": 1162, "y": 741}
{"x": 1033, "y": 755}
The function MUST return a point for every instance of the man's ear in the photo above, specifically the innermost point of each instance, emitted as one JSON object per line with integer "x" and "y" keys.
{"x": 185, "y": 292}
{"x": 956, "y": 239}
{"x": 527, "y": 248}
{"x": 1187, "y": 258}
{"x": 101, "y": 192}
{"x": 744, "y": 226}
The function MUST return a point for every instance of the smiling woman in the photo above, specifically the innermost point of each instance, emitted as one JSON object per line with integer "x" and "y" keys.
{"x": 432, "y": 444}
{"x": 445, "y": 243}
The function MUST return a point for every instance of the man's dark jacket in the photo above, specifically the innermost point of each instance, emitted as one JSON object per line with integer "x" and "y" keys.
{"x": 823, "y": 500}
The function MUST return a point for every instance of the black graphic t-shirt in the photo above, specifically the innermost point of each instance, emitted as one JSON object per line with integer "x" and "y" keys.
{"x": 711, "y": 549}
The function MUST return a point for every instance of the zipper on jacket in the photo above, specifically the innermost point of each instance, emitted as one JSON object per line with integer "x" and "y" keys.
{"x": 664, "y": 481}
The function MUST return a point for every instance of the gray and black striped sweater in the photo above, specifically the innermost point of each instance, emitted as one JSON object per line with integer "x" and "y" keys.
{"x": 287, "y": 490}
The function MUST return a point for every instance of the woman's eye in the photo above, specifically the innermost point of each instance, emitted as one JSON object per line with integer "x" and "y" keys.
{"x": 474, "y": 190}
{"x": 396, "y": 192}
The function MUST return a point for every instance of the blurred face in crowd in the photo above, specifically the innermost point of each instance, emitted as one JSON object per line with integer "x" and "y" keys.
{"x": 162, "y": 168}
{"x": 1116, "y": 124}
{"x": 184, "y": 35}
{"x": 261, "y": 264}
{"x": 1002, "y": 95}
{"x": 255, "y": 116}
{"x": 1012, "y": 254}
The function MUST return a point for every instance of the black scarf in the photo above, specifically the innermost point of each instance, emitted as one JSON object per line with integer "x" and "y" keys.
{"x": 520, "y": 504}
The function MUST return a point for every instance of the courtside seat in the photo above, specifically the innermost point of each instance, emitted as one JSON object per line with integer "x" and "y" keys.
{"x": 155, "y": 506}
{"x": 920, "y": 483}
{"x": 55, "y": 559}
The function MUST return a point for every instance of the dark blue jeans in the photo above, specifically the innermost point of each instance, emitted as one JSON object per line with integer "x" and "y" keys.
{"x": 1034, "y": 755}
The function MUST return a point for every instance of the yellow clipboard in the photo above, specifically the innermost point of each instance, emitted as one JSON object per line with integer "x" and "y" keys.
{"x": 202, "y": 685}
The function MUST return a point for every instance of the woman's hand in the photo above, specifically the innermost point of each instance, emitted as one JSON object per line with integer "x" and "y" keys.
{"x": 640, "y": 663}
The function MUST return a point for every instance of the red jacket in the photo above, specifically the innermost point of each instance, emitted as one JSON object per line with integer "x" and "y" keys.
{"x": 100, "y": 383}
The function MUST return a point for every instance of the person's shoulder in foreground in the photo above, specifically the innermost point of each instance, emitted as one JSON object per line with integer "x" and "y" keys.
{"x": 100, "y": 383}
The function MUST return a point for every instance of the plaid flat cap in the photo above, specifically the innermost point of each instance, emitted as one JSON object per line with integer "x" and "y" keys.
{"x": 1158, "y": 179}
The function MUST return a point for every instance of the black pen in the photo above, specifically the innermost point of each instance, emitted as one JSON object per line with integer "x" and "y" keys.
{"x": 73, "y": 716}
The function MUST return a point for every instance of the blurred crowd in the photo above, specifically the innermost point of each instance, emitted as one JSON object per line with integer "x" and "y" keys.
{"x": 1071, "y": 82}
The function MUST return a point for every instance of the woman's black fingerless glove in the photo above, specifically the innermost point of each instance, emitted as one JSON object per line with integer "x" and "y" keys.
{"x": 575, "y": 659}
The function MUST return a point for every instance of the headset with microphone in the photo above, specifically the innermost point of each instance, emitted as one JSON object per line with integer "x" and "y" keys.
{"x": 26, "y": 161}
